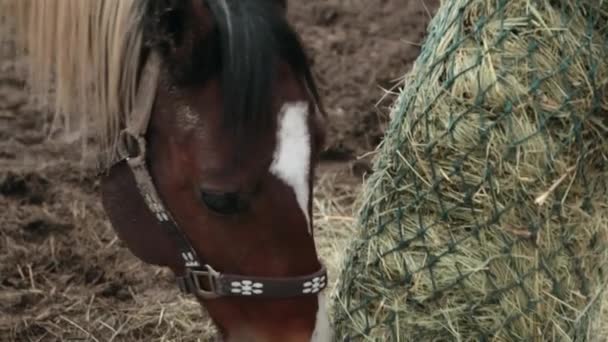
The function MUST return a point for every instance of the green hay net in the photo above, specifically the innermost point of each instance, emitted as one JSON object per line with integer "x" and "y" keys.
{"x": 486, "y": 215}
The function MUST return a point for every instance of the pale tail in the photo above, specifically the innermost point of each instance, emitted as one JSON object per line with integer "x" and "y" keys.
{"x": 83, "y": 57}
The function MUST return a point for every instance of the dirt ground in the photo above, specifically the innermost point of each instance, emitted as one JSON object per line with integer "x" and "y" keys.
{"x": 63, "y": 273}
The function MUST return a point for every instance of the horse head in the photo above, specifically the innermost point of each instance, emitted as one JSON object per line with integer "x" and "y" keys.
{"x": 220, "y": 188}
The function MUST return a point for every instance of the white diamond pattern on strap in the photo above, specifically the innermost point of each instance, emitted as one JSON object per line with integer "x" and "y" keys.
{"x": 315, "y": 285}
{"x": 158, "y": 210}
{"x": 162, "y": 217}
{"x": 190, "y": 260}
{"x": 247, "y": 287}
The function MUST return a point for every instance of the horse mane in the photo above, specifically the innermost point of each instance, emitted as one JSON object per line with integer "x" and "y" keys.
{"x": 82, "y": 58}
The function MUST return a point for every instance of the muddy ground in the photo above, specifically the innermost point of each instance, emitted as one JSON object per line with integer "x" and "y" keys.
{"x": 63, "y": 273}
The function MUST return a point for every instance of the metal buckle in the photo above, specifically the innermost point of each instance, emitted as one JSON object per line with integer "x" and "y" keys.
{"x": 130, "y": 146}
{"x": 194, "y": 283}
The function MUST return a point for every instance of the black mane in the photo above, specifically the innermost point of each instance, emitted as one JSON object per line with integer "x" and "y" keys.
{"x": 247, "y": 39}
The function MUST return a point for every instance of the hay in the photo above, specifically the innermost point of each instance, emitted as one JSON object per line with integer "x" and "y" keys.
{"x": 486, "y": 217}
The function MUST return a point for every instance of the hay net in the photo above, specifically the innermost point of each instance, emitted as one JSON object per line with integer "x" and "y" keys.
{"x": 486, "y": 215}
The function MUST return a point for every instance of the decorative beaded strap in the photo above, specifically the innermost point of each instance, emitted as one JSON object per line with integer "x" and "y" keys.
{"x": 230, "y": 285}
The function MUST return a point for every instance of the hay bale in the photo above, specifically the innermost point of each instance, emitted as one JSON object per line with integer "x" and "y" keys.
{"x": 486, "y": 216}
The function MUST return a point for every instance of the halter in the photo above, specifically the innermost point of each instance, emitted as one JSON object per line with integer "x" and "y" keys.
{"x": 132, "y": 149}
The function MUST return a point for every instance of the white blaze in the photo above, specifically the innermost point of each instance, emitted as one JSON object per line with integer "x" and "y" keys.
{"x": 291, "y": 162}
{"x": 323, "y": 331}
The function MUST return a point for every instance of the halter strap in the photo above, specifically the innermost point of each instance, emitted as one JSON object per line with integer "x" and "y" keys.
{"x": 221, "y": 285}
{"x": 132, "y": 148}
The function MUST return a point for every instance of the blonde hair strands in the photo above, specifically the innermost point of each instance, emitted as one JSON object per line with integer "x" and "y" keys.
{"x": 82, "y": 57}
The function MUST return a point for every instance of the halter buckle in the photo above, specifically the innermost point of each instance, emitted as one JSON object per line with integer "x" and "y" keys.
{"x": 130, "y": 146}
{"x": 192, "y": 282}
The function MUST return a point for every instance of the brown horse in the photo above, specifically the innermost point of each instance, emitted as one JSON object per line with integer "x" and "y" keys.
{"x": 210, "y": 126}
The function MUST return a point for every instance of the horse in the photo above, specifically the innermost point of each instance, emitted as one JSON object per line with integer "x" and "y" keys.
{"x": 207, "y": 128}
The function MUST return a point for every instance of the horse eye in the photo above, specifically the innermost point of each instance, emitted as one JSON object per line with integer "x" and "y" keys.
{"x": 223, "y": 203}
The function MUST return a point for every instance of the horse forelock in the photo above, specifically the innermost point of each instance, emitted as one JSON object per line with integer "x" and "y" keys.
{"x": 254, "y": 35}
{"x": 241, "y": 43}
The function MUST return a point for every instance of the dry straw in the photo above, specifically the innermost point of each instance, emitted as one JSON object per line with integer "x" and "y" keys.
{"x": 486, "y": 217}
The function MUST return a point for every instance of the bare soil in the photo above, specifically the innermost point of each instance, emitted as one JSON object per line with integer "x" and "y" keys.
{"x": 63, "y": 273}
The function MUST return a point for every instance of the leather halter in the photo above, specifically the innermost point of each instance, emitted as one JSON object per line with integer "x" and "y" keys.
{"x": 132, "y": 148}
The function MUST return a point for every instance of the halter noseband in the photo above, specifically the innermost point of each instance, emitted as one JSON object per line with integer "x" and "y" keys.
{"x": 132, "y": 148}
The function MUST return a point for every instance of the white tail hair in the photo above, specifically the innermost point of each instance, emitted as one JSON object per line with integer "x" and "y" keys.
{"x": 82, "y": 56}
